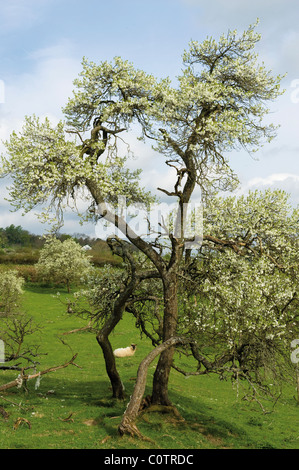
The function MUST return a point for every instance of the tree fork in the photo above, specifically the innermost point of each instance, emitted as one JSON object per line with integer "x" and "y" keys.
{"x": 161, "y": 375}
{"x": 113, "y": 320}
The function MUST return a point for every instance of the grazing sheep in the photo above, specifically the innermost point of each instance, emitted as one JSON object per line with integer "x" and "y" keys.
{"x": 125, "y": 352}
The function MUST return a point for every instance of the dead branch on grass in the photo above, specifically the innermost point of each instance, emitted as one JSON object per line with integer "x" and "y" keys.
{"x": 23, "y": 378}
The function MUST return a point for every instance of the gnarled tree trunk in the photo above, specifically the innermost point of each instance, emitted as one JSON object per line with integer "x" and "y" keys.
{"x": 127, "y": 425}
{"x": 115, "y": 380}
{"x": 161, "y": 376}
{"x": 103, "y": 339}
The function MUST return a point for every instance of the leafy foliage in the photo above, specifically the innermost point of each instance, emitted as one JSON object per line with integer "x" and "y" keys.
{"x": 63, "y": 262}
{"x": 15, "y": 325}
{"x": 11, "y": 289}
{"x": 219, "y": 104}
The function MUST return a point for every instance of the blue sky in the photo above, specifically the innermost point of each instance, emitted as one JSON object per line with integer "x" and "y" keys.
{"x": 42, "y": 43}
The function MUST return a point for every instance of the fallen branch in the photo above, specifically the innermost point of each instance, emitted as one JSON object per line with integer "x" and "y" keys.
{"x": 68, "y": 418}
{"x": 13, "y": 403}
{"x": 84, "y": 328}
{"x": 19, "y": 421}
{"x": 23, "y": 377}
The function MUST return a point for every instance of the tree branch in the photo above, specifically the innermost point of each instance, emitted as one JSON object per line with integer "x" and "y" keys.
{"x": 22, "y": 377}
{"x": 127, "y": 424}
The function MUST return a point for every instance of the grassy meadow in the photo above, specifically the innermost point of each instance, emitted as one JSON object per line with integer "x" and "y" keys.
{"x": 73, "y": 408}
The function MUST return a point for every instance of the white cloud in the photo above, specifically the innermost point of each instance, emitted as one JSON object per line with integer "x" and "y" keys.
{"x": 234, "y": 13}
{"x": 47, "y": 88}
{"x": 287, "y": 182}
{"x": 43, "y": 90}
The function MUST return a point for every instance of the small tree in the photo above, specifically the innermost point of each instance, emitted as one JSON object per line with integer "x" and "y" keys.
{"x": 11, "y": 289}
{"x": 17, "y": 236}
{"x": 63, "y": 262}
{"x": 16, "y": 328}
{"x": 15, "y": 325}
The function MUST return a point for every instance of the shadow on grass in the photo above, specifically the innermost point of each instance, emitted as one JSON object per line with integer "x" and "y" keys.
{"x": 92, "y": 404}
{"x": 201, "y": 416}
{"x": 46, "y": 289}
{"x": 96, "y": 394}
{"x": 107, "y": 412}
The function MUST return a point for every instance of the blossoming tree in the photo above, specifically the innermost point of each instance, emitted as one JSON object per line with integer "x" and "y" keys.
{"x": 15, "y": 325}
{"x": 218, "y": 105}
{"x": 248, "y": 290}
{"x": 63, "y": 262}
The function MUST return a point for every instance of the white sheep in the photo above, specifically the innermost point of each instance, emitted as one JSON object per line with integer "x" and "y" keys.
{"x": 125, "y": 352}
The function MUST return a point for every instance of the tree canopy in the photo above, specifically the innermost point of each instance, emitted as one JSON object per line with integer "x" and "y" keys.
{"x": 218, "y": 105}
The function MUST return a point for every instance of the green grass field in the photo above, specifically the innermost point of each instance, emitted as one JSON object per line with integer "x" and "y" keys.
{"x": 73, "y": 408}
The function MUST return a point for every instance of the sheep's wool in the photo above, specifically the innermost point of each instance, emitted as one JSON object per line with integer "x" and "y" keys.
{"x": 125, "y": 352}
